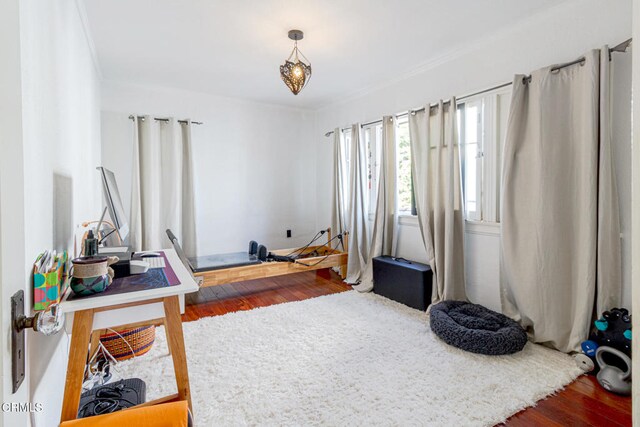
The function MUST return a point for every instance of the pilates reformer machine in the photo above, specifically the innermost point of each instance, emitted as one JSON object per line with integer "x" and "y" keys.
{"x": 258, "y": 262}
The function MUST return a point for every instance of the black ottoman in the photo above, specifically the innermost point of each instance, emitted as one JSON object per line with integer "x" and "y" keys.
{"x": 477, "y": 329}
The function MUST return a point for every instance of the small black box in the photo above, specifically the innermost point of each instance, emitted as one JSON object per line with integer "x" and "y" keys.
{"x": 404, "y": 281}
{"x": 122, "y": 267}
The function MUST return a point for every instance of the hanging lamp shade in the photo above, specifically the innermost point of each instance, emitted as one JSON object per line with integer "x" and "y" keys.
{"x": 296, "y": 70}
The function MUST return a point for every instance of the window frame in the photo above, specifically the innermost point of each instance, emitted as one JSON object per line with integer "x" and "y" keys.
{"x": 346, "y": 146}
{"x": 413, "y": 212}
{"x": 494, "y": 122}
{"x": 372, "y": 135}
{"x": 461, "y": 107}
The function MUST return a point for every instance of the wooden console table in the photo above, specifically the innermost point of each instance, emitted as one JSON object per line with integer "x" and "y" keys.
{"x": 111, "y": 311}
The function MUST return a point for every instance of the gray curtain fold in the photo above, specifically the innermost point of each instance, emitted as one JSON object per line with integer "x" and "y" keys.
{"x": 435, "y": 162}
{"x": 338, "y": 187}
{"x": 560, "y": 217}
{"x": 384, "y": 234}
{"x": 357, "y": 224}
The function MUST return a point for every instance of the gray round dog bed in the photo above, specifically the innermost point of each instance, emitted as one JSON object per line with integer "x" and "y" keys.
{"x": 477, "y": 329}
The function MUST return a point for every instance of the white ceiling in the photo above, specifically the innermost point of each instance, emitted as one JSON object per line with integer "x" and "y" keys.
{"x": 234, "y": 47}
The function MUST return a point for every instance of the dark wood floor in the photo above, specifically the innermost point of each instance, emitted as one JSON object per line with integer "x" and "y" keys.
{"x": 582, "y": 403}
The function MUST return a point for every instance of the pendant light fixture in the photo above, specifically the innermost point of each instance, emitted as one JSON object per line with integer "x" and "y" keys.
{"x": 296, "y": 70}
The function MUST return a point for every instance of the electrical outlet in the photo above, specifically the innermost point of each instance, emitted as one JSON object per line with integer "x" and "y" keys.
{"x": 288, "y": 233}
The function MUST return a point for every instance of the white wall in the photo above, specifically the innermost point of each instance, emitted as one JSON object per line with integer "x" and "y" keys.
{"x": 552, "y": 36}
{"x": 254, "y": 163}
{"x": 60, "y": 145}
{"x": 12, "y": 273}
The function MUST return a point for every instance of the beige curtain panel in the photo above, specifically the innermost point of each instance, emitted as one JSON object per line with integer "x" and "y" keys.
{"x": 385, "y": 228}
{"x": 560, "y": 220}
{"x": 435, "y": 161}
{"x": 338, "y": 187}
{"x": 162, "y": 194}
{"x": 358, "y": 233}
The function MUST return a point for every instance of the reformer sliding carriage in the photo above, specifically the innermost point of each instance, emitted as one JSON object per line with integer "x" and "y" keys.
{"x": 289, "y": 261}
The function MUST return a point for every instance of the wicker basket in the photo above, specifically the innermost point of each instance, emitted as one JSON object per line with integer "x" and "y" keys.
{"x": 126, "y": 343}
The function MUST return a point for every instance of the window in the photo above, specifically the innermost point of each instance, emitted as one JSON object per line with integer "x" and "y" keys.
{"x": 373, "y": 141}
{"x": 470, "y": 134}
{"x": 406, "y": 200}
{"x": 482, "y": 122}
{"x": 347, "y": 149}
{"x": 481, "y": 128}
{"x": 346, "y": 155}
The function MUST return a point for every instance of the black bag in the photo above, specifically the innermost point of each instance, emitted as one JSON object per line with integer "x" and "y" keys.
{"x": 112, "y": 397}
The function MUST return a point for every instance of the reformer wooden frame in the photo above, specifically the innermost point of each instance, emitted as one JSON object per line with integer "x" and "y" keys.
{"x": 327, "y": 257}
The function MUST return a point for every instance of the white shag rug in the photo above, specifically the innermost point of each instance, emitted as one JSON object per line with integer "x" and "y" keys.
{"x": 345, "y": 359}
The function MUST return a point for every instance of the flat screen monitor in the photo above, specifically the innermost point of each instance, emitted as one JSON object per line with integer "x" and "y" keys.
{"x": 114, "y": 203}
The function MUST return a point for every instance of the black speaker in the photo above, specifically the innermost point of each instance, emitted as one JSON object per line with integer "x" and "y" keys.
{"x": 253, "y": 247}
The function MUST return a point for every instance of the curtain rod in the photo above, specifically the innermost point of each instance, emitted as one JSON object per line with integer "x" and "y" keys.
{"x": 416, "y": 110}
{"x": 622, "y": 47}
{"x": 163, "y": 119}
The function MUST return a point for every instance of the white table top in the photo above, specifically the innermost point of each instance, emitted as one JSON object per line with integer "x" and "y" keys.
{"x": 187, "y": 285}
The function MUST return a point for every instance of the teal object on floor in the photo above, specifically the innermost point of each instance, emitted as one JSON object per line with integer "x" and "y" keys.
{"x": 601, "y": 324}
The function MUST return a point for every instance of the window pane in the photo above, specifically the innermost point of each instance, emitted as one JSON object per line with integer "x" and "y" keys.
{"x": 403, "y": 154}
{"x": 482, "y": 124}
{"x": 470, "y": 132}
{"x": 470, "y": 177}
{"x": 370, "y": 160}
{"x": 370, "y": 145}
{"x": 347, "y": 150}
{"x": 471, "y": 120}
{"x": 378, "y": 154}
{"x": 373, "y": 137}
{"x": 347, "y": 169}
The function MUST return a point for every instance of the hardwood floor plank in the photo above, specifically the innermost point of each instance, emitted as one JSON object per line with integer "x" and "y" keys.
{"x": 531, "y": 417}
{"x": 588, "y": 385}
{"x": 288, "y": 292}
{"x": 589, "y": 414}
{"x": 582, "y": 403}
